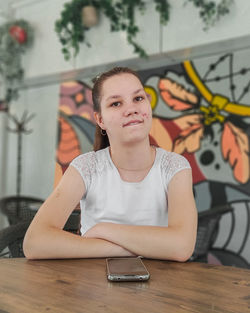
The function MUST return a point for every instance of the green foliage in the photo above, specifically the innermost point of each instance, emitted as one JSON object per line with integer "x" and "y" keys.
{"x": 210, "y": 11}
{"x": 10, "y": 57}
{"x": 121, "y": 14}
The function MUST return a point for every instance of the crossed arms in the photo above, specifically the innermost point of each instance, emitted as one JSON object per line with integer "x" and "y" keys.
{"x": 46, "y": 239}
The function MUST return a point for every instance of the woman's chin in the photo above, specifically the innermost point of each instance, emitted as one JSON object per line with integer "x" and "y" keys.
{"x": 136, "y": 139}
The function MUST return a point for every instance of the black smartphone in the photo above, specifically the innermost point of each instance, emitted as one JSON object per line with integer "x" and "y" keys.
{"x": 126, "y": 269}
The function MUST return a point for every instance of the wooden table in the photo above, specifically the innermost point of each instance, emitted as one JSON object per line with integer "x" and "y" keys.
{"x": 81, "y": 286}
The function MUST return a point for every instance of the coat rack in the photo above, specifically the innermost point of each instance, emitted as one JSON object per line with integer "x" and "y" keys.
{"x": 20, "y": 129}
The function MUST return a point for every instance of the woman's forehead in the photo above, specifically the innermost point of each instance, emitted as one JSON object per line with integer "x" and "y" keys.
{"x": 120, "y": 84}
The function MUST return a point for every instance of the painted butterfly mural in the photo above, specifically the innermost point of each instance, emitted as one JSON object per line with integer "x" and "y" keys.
{"x": 200, "y": 110}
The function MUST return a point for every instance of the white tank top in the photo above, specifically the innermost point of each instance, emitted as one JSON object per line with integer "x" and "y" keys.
{"x": 110, "y": 199}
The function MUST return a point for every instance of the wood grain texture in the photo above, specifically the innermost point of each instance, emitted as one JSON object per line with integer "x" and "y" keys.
{"x": 81, "y": 286}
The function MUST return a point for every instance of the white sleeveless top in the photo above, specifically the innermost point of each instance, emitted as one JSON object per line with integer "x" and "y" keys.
{"x": 110, "y": 199}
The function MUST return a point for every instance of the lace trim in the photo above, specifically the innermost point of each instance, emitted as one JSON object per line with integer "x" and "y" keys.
{"x": 88, "y": 164}
{"x": 172, "y": 163}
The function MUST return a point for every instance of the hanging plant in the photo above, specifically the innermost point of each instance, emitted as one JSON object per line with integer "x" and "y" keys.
{"x": 71, "y": 28}
{"x": 89, "y": 16}
{"x": 15, "y": 38}
{"x": 121, "y": 14}
{"x": 210, "y": 11}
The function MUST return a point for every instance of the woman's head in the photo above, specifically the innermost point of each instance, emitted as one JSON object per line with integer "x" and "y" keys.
{"x": 100, "y": 79}
{"x": 119, "y": 98}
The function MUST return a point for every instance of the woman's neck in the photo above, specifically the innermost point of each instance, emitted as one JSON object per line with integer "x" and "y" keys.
{"x": 138, "y": 157}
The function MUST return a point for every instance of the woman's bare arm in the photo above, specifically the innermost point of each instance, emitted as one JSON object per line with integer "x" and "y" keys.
{"x": 175, "y": 242}
{"x": 46, "y": 239}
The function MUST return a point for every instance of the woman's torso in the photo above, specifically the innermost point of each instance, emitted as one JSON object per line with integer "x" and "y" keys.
{"x": 110, "y": 199}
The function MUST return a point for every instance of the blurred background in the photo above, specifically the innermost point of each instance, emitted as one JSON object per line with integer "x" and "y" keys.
{"x": 193, "y": 58}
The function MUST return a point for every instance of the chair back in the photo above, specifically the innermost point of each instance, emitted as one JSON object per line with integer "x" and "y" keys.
{"x": 20, "y": 208}
{"x": 11, "y": 240}
{"x": 208, "y": 222}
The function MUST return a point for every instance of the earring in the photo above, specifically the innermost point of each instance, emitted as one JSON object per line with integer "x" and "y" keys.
{"x": 103, "y": 132}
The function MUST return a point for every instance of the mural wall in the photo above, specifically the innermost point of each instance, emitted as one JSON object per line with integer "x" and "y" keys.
{"x": 201, "y": 109}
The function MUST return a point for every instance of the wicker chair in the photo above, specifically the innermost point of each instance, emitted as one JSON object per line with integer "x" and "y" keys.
{"x": 19, "y": 208}
{"x": 20, "y": 211}
{"x": 208, "y": 223}
{"x": 73, "y": 223}
{"x": 229, "y": 258}
{"x": 11, "y": 237}
{"x": 11, "y": 240}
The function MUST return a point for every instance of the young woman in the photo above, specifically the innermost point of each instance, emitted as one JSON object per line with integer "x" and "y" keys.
{"x": 136, "y": 199}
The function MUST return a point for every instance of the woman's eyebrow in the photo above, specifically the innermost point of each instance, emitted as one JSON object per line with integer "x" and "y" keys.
{"x": 138, "y": 90}
{"x": 113, "y": 97}
{"x": 118, "y": 96}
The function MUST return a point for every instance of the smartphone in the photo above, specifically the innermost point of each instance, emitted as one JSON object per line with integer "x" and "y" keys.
{"x": 126, "y": 269}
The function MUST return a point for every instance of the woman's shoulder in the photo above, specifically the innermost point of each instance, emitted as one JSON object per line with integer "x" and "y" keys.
{"x": 89, "y": 164}
{"x": 89, "y": 159}
{"x": 172, "y": 161}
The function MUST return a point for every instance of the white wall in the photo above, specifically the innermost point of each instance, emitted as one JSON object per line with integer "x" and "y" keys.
{"x": 3, "y": 151}
{"x": 46, "y": 57}
{"x": 38, "y": 148}
{"x": 184, "y": 31}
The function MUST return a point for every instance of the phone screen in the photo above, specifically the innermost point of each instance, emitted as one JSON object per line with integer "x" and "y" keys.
{"x": 125, "y": 269}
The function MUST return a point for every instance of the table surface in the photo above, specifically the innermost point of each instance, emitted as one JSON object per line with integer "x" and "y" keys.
{"x": 81, "y": 285}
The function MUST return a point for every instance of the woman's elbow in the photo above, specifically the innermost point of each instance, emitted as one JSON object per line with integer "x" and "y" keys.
{"x": 29, "y": 244}
{"x": 27, "y": 247}
{"x": 183, "y": 256}
{"x": 29, "y": 255}
{"x": 184, "y": 253}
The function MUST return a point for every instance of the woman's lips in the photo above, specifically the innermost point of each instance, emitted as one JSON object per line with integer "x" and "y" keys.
{"x": 132, "y": 123}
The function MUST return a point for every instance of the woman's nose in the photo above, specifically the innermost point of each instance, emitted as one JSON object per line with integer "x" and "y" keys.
{"x": 131, "y": 109}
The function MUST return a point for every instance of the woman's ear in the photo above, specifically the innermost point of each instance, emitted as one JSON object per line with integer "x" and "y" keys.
{"x": 98, "y": 119}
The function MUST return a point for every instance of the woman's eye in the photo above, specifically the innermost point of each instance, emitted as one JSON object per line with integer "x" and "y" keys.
{"x": 115, "y": 104}
{"x": 139, "y": 98}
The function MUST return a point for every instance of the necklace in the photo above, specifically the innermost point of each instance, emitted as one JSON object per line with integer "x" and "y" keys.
{"x": 135, "y": 170}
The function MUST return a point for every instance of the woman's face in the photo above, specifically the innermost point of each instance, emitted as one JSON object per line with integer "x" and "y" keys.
{"x": 126, "y": 113}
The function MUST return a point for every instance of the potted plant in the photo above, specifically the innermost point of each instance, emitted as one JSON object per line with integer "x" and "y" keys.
{"x": 15, "y": 38}
{"x": 89, "y": 16}
{"x": 71, "y": 27}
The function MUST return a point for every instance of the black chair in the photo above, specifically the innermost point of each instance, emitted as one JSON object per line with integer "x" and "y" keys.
{"x": 228, "y": 258}
{"x": 208, "y": 223}
{"x": 73, "y": 223}
{"x": 232, "y": 246}
{"x": 19, "y": 209}
{"x": 11, "y": 240}
{"x": 11, "y": 237}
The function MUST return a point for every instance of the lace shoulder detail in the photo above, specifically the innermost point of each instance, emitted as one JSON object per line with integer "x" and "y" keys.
{"x": 86, "y": 166}
{"x": 172, "y": 163}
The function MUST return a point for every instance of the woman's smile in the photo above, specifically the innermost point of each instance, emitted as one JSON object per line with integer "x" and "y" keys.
{"x": 133, "y": 123}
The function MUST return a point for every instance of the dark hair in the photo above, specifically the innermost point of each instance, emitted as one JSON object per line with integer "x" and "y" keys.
{"x": 102, "y": 141}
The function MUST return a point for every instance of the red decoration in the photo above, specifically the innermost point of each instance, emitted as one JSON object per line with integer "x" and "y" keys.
{"x": 3, "y": 106}
{"x": 18, "y": 33}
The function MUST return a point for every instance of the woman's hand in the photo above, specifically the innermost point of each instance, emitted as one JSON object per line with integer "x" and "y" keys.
{"x": 94, "y": 232}
{"x": 101, "y": 230}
